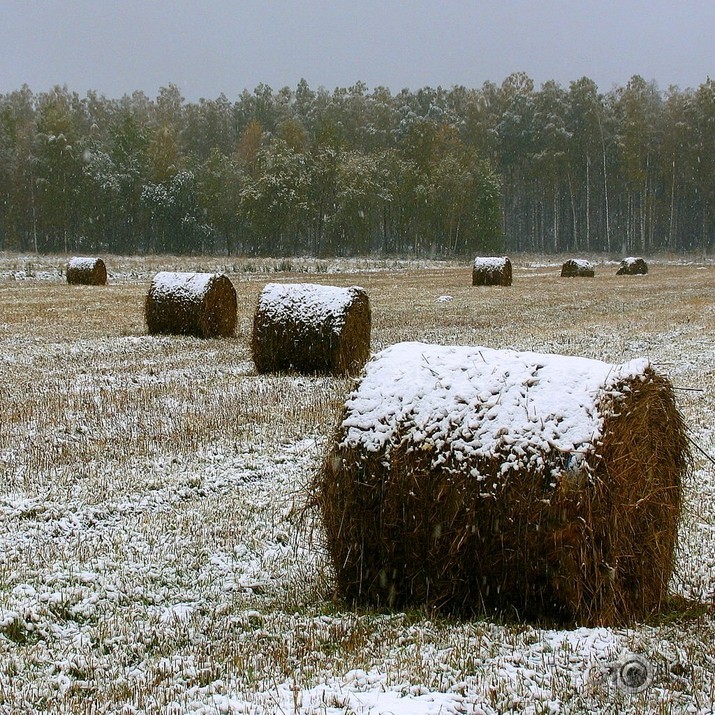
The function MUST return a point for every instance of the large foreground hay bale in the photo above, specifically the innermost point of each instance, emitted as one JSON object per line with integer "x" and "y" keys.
{"x": 478, "y": 480}
{"x": 491, "y": 271}
{"x": 632, "y": 266}
{"x": 577, "y": 268}
{"x": 200, "y": 304}
{"x": 311, "y": 328}
{"x": 82, "y": 270}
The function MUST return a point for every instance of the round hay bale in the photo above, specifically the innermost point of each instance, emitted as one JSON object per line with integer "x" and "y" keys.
{"x": 479, "y": 481}
{"x": 577, "y": 268}
{"x": 491, "y": 271}
{"x": 200, "y": 304}
{"x": 86, "y": 271}
{"x": 311, "y": 328}
{"x": 632, "y": 266}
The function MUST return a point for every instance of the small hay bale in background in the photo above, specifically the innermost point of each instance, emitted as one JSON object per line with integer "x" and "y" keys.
{"x": 491, "y": 271}
{"x": 577, "y": 268}
{"x": 199, "y": 304}
{"x": 478, "y": 480}
{"x": 83, "y": 270}
{"x": 632, "y": 266}
{"x": 311, "y": 328}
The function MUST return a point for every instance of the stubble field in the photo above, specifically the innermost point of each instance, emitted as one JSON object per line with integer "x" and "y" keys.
{"x": 154, "y": 557}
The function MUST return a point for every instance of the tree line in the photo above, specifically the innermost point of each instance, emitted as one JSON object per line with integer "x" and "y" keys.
{"x": 432, "y": 172}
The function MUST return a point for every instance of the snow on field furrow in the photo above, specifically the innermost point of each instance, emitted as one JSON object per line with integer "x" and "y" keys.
{"x": 181, "y": 583}
{"x": 130, "y": 361}
{"x": 695, "y": 563}
{"x": 533, "y": 672}
{"x": 511, "y": 674}
{"x": 34, "y": 271}
{"x": 139, "y": 557}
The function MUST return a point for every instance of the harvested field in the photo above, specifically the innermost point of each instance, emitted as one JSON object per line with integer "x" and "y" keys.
{"x": 155, "y": 553}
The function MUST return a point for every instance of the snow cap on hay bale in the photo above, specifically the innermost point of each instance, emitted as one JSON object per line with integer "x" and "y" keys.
{"x": 632, "y": 267}
{"x": 491, "y": 271}
{"x": 477, "y": 480}
{"x": 577, "y": 268}
{"x": 200, "y": 304}
{"x": 311, "y": 328}
{"x": 82, "y": 270}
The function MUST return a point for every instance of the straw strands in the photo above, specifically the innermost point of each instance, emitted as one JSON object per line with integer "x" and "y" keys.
{"x": 311, "y": 329}
{"x": 632, "y": 266}
{"x": 199, "y": 304}
{"x": 478, "y": 481}
{"x": 577, "y": 268}
{"x": 491, "y": 271}
{"x": 83, "y": 270}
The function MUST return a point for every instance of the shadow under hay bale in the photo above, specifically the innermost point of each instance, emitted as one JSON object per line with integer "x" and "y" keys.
{"x": 491, "y": 271}
{"x": 577, "y": 268}
{"x": 478, "y": 481}
{"x": 199, "y": 304}
{"x": 86, "y": 271}
{"x": 311, "y": 328}
{"x": 632, "y": 267}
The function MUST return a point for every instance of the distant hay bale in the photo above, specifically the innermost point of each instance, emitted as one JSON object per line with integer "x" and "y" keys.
{"x": 491, "y": 271}
{"x": 632, "y": 266}
{"x": 311, "y": 328}
{"x": 577, "y": 268}
{"x": 478, "y": 481}
{"x": 199, "y": 304}
{"x": 86, "y": 271}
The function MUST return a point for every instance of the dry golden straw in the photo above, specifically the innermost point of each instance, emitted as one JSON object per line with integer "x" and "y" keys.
{"x": 491, "y": 271}
{"x": 86, "y": 271}
{"x": 583, "y": 537}
{"x": 577, "y": 268}
{"x": 632, "y": 267}
{"x": 311, "y": 329}
{"x": 199, "y": 304}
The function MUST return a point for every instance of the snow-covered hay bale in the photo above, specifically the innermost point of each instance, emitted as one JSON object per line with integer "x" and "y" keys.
{"x": 200, "y": 304}
{"x": 311, "y": 328}
{"x": 479, "y": 481}
{"x": 632, "y": 266}
{"x": 491, "y": 271}
{"x": 82, "y": 270}
{"x": 577, "y": 268}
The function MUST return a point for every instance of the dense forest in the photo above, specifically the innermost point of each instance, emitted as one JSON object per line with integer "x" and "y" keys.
{"x": 432, "y": 172}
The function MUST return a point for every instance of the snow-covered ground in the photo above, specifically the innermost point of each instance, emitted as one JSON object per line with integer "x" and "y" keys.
{"x": 156, "y": 555}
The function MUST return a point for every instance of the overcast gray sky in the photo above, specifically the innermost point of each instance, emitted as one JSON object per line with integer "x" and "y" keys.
{"x": 226, "y": 46}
